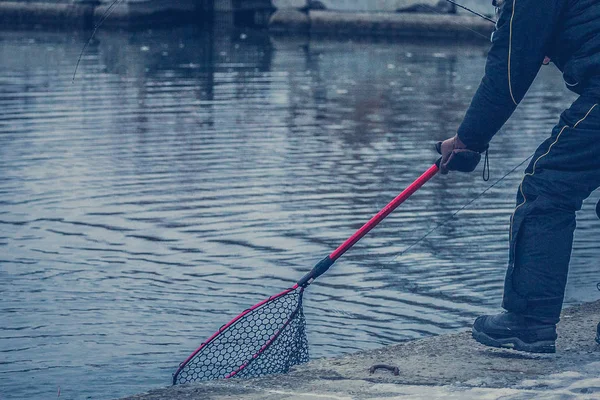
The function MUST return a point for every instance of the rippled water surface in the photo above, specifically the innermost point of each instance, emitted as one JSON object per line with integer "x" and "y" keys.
{"x": 186, "y": 175}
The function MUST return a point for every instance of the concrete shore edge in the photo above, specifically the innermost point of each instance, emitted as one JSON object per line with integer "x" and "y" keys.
{"x": 86, "y": 15}
{"x": 292, "y": 21}
{"x": 381, "y": 24}
{"x": 449, "y": 366}
{"x": 36, "y": 14}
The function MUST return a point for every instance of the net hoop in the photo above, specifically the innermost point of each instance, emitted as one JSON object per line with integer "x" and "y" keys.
{"x": 236, "y": 319}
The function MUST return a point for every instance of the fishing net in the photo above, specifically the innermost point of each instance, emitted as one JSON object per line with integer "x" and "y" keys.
{"x": 269, "y": 338}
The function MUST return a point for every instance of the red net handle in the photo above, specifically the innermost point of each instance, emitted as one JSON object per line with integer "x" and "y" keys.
{"x": 323, "y": 265}
{"x": 392, "y": 205}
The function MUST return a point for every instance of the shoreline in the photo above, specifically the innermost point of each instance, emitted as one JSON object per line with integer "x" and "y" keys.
{"x": 420, "y": 26}
{"x": 86, "y": 15}
{"x": 282, "y": 21}
{"x": 445, "y": 366}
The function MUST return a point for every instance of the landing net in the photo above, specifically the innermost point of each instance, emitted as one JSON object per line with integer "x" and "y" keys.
{"x": 268, "y": 338}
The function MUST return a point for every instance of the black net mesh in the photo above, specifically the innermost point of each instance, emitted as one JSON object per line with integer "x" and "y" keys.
{"x": 268, "y": 340}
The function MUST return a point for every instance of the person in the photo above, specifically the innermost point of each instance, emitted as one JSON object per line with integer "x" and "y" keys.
{"x": 564, "y": 170}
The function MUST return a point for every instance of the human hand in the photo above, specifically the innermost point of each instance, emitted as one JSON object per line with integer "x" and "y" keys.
{"x": 456, "y": 156}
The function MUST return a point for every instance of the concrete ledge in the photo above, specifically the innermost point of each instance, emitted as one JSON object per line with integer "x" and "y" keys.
{"x": 289, "y": 20}
{"x": 85, "y": 15}
{"x": 400, "y": 24}
{"x": 148, "y": 13}
{"x": 49, "y": 14}
{"x": 382, "y": 24}
{"x": 449, "y": 366}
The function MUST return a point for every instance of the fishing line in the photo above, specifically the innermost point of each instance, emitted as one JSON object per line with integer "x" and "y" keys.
{"x": 459, "y": 210}
{"x": 433, "y": 9}
{"x": 106, "y": 14}
{"x": 471, "y": 11}
{"x": 486, "y": 163}
{"x": 360, "y": 292}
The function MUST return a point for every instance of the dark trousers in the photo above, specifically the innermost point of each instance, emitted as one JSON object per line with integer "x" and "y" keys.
{"x": 564, "y": 171}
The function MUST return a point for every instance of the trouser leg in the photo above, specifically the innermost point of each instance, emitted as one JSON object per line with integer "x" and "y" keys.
{"x": 563, "y": 172}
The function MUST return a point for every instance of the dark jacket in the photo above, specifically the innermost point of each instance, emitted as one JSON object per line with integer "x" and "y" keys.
{"x": 567, "y": 31}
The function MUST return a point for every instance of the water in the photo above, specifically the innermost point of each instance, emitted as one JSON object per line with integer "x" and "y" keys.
{"x": 186, "y": 175}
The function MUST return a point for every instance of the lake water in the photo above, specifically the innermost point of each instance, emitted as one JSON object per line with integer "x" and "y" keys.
{"x": 186, "y": 175}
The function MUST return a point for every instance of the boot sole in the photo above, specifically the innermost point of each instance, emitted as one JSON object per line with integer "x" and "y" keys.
{"x": 543, "y": 346}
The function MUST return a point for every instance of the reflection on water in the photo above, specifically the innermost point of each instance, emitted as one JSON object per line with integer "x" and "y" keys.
{"x": 186, "y": 175}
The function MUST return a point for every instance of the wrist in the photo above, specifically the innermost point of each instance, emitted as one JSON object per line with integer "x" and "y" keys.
{"x": 470, "y": 145}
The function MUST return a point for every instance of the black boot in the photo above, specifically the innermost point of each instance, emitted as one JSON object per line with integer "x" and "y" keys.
{"x": 514, "y": 331}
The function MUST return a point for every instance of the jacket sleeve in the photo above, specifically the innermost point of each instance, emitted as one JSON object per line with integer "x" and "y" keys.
{"x": 520, "y": 42}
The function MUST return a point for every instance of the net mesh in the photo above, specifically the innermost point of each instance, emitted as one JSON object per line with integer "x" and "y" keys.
{"x": 268, "y": 340}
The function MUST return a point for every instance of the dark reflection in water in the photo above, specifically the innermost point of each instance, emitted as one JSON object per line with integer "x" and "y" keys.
{"x": 186, "y": 175}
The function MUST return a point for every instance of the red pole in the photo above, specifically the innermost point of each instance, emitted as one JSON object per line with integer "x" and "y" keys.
{"x": 406, "y": 193}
